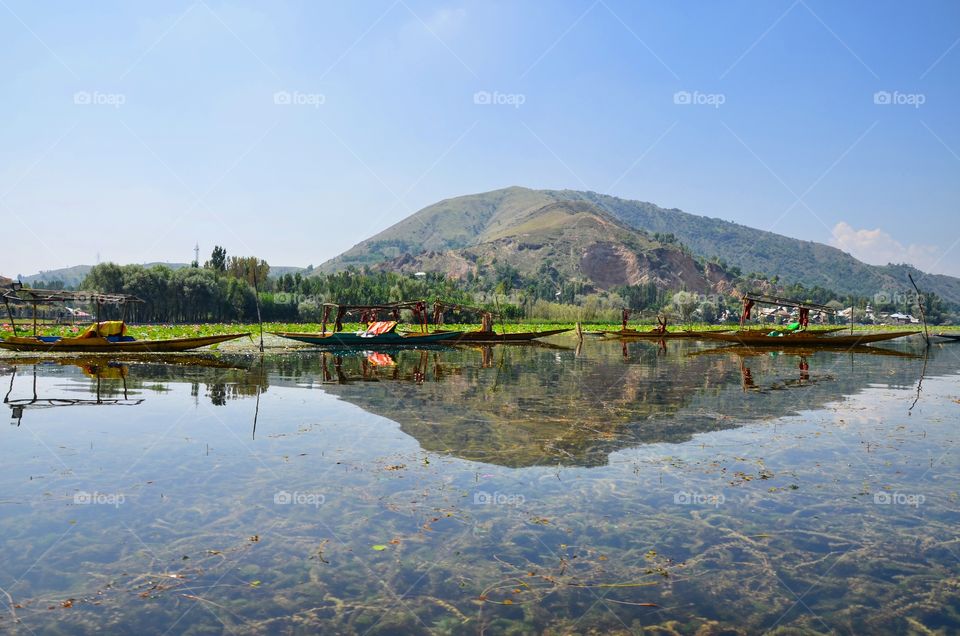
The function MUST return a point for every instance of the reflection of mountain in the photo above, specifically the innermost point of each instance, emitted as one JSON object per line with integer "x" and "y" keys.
{"x": 525, "y": 406}
{"x": 534, "y": 407}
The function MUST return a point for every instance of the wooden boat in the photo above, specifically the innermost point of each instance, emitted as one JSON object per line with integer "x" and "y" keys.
{"x": 50, "y": 344}
{"x": 357, "y": 339}
{"x": 377, "y": 334}
{"x": 634, "y": 334}
{"x": 806, "y": 339}
{"x": 101, "y": 337}
{"x": 492, "y": 337}
{"x": 955, "y": 337}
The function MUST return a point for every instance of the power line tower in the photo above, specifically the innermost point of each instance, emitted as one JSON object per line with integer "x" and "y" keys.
{"x": 196, "y": 254}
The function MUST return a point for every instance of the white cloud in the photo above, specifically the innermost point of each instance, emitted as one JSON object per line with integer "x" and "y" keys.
{"x": 879, "y": 248}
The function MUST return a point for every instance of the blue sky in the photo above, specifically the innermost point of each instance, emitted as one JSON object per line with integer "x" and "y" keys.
{"x": 294, "y": 130}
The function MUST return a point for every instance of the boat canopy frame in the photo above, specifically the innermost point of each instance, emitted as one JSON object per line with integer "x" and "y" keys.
{"x": 486, "y": 315}
{"x": 370, "y": 313}
{"x": 35, "y": 297}
{"x": 750, "y": 299}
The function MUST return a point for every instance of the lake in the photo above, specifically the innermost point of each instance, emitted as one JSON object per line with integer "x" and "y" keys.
{"x": 508, "y": 490}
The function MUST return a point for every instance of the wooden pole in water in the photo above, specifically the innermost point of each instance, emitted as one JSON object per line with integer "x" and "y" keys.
{"x": 503, "y": 329}
{"x": 926, "y": 332}
{"x": 256, "y": 292}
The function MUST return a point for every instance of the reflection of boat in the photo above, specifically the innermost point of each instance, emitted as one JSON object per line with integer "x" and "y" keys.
{"x": 101, "y": 337}
{"x": 377, "y": 332}
{"x": 378, "y": 366}
{"x": 100, "y": 371}
{"x": 169, "y": 360}
{"x": 742, "y": 350}
{"x": 807, "y": 339}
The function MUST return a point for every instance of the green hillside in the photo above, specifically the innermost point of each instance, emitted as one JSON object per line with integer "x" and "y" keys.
{"x": 468, "y": 223}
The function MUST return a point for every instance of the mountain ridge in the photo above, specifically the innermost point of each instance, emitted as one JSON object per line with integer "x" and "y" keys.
{"x": 465, "y": 222}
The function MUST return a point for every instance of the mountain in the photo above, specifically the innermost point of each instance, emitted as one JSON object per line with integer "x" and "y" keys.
{"x": 534, "y": 233}
{"x": 73, "y": 276}
{"x": 443, "y": 237}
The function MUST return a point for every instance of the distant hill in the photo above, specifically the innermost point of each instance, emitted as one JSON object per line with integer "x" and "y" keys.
{"x": 534, "y": 233}
{"x": 444, "y": 236}
{"x": 73, "y": 276}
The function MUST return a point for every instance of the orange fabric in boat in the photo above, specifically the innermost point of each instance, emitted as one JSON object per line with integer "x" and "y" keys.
{"x": 107, "y": 328}
{"x": 381, "y": 327}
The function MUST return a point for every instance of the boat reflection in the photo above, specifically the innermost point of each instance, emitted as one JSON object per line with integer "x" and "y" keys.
{"x": 116, "y": 380}
{"x": 99, "y": 371}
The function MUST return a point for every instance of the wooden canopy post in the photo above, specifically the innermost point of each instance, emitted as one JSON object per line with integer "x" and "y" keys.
{"x": 13, "y": 324}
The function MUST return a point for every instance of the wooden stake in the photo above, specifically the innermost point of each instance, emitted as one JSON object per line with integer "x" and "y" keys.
{"x": 926, "y": 332}
{"x": 256, "y": 291}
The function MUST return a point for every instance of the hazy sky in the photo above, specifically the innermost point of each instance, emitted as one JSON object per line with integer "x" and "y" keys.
{"x": 294, "y": 130}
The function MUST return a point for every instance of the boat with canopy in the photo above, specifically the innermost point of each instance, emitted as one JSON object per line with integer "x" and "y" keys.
{"x": 102, "y": 336}
{"x": 797, "y": 333}
{"x": 376, "y": 332}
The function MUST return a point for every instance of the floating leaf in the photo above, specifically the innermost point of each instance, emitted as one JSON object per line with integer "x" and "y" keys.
{"x": 379, "y": 547}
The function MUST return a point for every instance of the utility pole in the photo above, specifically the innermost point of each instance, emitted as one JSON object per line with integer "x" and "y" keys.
{"x": 196, "y": 254}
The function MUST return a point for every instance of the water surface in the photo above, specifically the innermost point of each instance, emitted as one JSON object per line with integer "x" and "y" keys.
{"x": 504, "y": 491}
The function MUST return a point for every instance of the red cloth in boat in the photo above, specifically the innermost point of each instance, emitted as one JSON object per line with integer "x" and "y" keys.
{"x": 380, "y": 327}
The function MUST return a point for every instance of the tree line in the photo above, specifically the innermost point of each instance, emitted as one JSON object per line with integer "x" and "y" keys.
{"x": 227, "y": 288}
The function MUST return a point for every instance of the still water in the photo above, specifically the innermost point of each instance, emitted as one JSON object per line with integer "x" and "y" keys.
{"x": 509, "y": 490}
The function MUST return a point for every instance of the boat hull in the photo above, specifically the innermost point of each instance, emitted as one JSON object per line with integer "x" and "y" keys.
{"x": 490, "y": 337}
{"x": 341, "y": 339}
{"x": 807, "y": 339}
{"x": 102, "y": 345}
{"x": 632, "y": 334}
